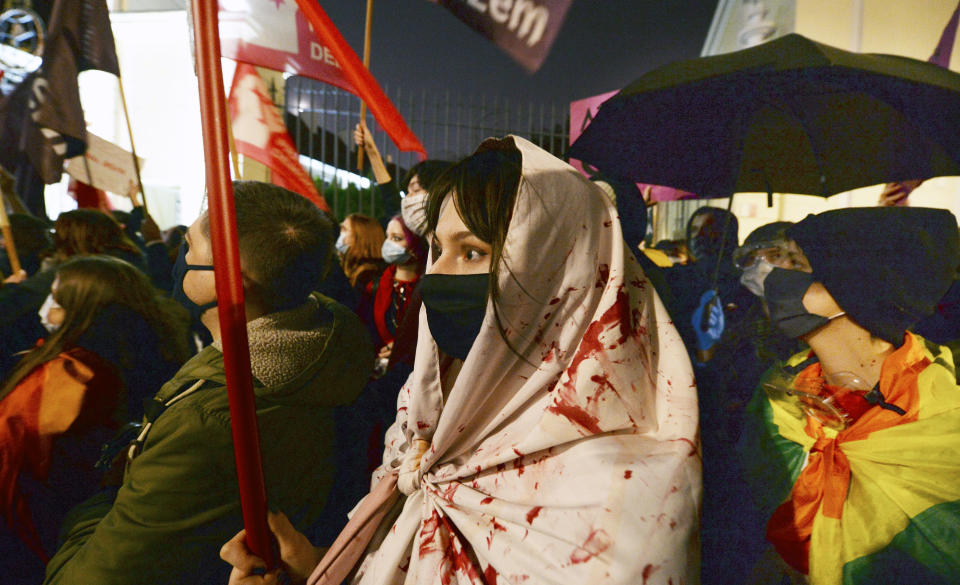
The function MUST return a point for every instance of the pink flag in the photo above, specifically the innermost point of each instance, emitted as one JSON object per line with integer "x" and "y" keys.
{"x": 297, "y": 36}
{"x": 581, "y": 114}
{"x": 259, "y": 133}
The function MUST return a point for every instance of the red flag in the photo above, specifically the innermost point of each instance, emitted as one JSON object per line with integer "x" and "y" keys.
{"x": 297, "y": 36}
{"x": 524, "y": 29}
{"x": 260, "y": 134}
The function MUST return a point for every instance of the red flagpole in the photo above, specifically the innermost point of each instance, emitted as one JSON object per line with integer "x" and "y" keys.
{"x": 226, "y": 259}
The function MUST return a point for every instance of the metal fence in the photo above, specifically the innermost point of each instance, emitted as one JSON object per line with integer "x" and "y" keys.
{"x": 321, "y": 120}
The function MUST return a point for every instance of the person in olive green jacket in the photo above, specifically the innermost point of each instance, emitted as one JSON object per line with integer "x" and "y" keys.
{"x": 179, "y": 500}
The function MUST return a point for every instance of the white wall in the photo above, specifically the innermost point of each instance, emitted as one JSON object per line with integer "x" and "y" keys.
{"x": 163, "y": 100}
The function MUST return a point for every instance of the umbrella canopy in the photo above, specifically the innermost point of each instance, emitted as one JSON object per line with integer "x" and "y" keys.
{"x": 789, "y": 116}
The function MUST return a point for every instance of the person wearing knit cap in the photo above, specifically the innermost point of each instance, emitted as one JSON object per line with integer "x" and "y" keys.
{"x": 860, "y": 460}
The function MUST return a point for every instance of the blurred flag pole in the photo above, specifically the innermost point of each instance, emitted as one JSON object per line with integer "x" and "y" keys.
{"x": 366, "y": 64}
{"x": 8, "y": 242}
{"x": 230, "y": 303}
{"x": 133, "y": 149}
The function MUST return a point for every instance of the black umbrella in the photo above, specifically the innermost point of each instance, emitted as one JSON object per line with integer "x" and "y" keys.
{"x": 789, "y": 116}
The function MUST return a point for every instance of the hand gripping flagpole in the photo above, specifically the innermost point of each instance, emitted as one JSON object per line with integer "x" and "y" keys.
{"x": 226, "y": 259}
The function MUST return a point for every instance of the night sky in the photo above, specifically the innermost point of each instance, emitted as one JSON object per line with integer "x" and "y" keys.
{"x": 603, "y": 45}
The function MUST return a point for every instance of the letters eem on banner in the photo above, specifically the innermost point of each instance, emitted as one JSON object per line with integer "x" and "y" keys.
{"x": 524, "y": 29}
{"x": 296, "y": 36}
{"x": 259, "y": 133}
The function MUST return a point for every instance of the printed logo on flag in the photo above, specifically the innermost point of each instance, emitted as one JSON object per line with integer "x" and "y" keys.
{"x": 524, "y": 29}
{"x": 22, "y": 33}
{"x": 276, "y": 35}
{"x": 259, "y": 133}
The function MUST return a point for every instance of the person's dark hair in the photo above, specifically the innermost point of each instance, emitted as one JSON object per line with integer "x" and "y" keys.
{"x": 88, "y": 231}
{"x": 122, "y": 217}
{"x": 484, "y": 189}
{"x": 284, "y": 242}
{"x": 427, "y": 172}
{"x": 172, "y": 239}
{"x": 31, "y": 235}
{"x": 722, "y": 226}
{"x": 86, "y": 286}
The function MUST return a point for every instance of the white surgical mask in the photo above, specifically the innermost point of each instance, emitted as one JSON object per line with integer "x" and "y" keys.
{"x": 394, "y": 253}
{"x": 45, "y": 309}
{"x": 754, "y": 275}
{"x": 340, "y": 245}
{"x": 413, "y": 209}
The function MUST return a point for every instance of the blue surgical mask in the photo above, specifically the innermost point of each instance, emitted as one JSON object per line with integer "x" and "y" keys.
{"x": 180, "y": 269}
{"x": 340, "y": 244}
{"x": 394, "y": 253}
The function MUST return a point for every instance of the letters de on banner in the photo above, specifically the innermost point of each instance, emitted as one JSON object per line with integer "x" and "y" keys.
{"x": 259, "y": 31}
{"x": 524, "y": 29}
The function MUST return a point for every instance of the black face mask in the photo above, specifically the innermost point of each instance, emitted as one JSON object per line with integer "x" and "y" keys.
{"x": 179, "y": 272}
{"x": 456, "y": 305}
{"x": 783, "y": 291}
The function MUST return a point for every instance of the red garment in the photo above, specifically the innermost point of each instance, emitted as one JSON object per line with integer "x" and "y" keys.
{"x": 62, "y": 399}
{"x": 382, "y": 300}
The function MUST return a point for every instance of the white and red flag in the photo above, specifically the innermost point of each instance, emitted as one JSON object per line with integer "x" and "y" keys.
{"x": 297, "y": 36}
{"x": 259, "y": 133}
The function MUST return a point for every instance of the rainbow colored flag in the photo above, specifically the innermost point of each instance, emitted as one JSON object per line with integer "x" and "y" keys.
{"x": 877, "y": 501}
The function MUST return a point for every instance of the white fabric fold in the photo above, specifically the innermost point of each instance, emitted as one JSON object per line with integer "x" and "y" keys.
{"x": 576, "y": 463}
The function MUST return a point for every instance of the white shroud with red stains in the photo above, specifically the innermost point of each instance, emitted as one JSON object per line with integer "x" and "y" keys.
{"x": 581, "y": 466}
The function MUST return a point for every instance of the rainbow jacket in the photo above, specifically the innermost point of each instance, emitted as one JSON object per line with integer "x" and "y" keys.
{"x": 875, "y": 502}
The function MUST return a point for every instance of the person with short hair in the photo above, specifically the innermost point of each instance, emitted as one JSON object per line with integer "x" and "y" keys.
{"x": 179, "y": 498}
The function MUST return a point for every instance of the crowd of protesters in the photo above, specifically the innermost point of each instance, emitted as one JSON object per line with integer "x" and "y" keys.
{"x": 500, "y": 380}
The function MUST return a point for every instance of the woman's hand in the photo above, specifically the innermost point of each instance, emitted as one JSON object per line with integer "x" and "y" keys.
{"x": 363, "y": 138}
{"x": 385, "y": 351}
{"x": 16, "y": 277}
{"x": 297, "y": 556}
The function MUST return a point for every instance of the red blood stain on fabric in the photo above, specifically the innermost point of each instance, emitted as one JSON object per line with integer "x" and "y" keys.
{"x": 627, "y": 474}
{"x": 456, "y": 554}
{"x": 607, "y": 223}
{"x": 518, "y": 453}
{"x": 547, "y": 316}
{"x": 597, "y": 542}
{"x": 490, "y": 575}
{"x": 533, "y": 513}
{"x": 577, "y": 415}
{"x": 603, "y": 275}
{"x": 486, "y": 500}
{"x": 422, "y": 425}
{"x": 693, "y": 446}
{"x": 648, "y": 571}
{"x": 554, "y": 300}
{"x": 497, "y": 526}
{"x": 428, "y": 534}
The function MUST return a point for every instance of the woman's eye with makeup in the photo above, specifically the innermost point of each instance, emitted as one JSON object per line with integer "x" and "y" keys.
{"x": 474, "y": 254}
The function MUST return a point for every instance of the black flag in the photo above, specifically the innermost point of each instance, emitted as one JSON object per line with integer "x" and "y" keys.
{"x": 41, "y": 119}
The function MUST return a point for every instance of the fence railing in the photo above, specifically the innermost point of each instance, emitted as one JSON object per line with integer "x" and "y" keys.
{"x": 321, "y": 120}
